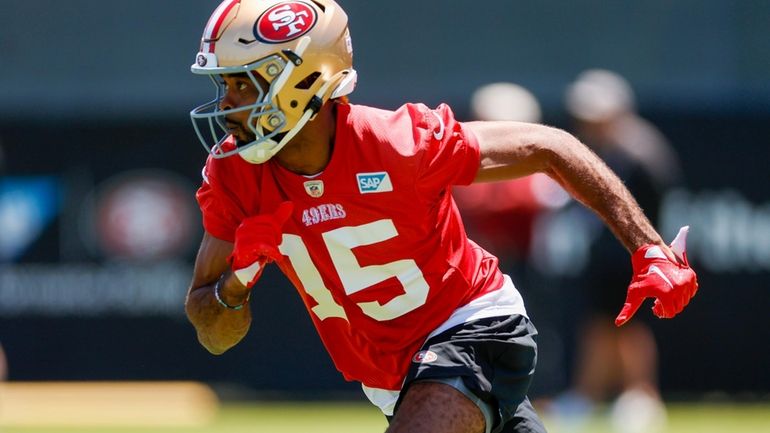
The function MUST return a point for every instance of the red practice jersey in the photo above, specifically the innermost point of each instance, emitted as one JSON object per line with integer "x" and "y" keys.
{"x": 375, "y": 246}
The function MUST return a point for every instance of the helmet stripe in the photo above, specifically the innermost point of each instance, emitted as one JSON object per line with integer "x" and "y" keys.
{"x": 214, "y": 24}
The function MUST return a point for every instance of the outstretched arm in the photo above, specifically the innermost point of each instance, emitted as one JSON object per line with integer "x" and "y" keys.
{"x": 515, "y": 149}
{"x": 218, "y": 327}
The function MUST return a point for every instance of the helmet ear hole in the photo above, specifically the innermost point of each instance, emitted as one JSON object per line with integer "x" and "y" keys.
{"x": 293, "y": 103}
{"x": 308, "y": 81}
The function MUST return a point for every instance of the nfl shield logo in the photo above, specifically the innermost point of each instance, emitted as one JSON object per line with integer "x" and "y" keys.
{"x": 314, "y": 188}
{"x": 424, "y": 357}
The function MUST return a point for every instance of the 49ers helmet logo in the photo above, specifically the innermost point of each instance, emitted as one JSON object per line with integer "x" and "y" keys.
{"x": 284, "y": 22}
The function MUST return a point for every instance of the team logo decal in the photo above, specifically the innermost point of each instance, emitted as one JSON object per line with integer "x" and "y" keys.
{"x": 284, "y": 22}
{"x": 314, "y": 188}
{"x": 201, "y": 59}
{"x": 424, "y": 356}
{"x": 374, "y": 182}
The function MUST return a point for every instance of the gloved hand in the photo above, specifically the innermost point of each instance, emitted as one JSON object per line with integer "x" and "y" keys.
{"x": 672, "y": 283}
{"x": 256, "y": 243}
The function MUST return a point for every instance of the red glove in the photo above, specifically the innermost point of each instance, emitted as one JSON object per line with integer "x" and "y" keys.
{"x": 671, "y": 283}
{"x": 256, "y": 243}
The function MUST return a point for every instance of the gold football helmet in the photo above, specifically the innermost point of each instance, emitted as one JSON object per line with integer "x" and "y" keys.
{"x": 300, "y": 48}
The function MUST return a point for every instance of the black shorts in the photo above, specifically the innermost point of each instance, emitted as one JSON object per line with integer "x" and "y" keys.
{"x": 495, "y": 357}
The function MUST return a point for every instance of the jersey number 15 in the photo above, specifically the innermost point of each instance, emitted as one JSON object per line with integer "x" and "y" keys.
{"x": 340, "y": 243}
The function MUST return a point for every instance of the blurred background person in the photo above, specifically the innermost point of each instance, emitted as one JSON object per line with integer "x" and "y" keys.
{"x": 500, "y": 215}
{"x": 619, "y": 364}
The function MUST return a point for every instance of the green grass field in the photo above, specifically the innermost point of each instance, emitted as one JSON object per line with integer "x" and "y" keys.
{"x": 361, "y": 417}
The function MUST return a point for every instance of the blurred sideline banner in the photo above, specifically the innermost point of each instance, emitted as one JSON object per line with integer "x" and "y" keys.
{"x": 89, "y": 289}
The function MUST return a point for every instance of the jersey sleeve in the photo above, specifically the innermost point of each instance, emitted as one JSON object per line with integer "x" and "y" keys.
{"x": 450, "y": 152}
{"x": 221, "y": 213}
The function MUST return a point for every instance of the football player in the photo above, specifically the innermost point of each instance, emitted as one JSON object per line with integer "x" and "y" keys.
{"x": 353, "y": 204}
